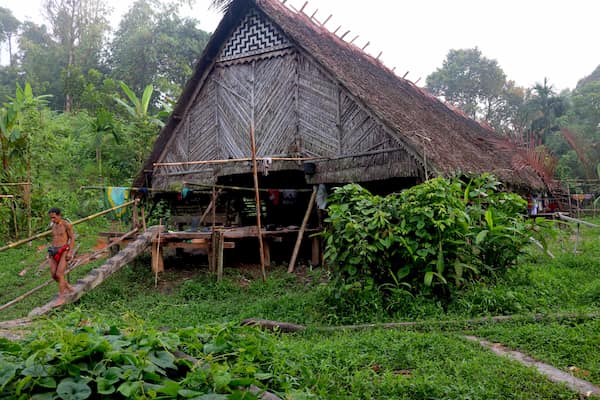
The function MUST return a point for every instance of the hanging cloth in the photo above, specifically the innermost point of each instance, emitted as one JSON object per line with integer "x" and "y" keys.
{"x": 115, "y": 196}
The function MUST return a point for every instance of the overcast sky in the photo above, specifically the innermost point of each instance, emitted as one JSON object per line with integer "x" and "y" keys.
{"x": 530, "y": 39}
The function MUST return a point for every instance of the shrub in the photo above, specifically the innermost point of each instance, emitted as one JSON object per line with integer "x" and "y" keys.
{"x": 430, "y": 238}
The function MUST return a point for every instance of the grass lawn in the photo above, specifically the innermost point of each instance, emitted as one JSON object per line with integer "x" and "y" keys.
{"x": 429, "y": 361}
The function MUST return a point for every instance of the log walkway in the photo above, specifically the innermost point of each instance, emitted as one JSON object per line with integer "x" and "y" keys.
{"x": 98, "y": 275}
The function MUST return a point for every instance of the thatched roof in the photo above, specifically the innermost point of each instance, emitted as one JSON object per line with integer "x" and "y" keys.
{"x": 450, "y": 141}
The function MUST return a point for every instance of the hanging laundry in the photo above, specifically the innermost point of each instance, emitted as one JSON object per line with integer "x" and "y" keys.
{"x": 274, "y": 196}
{"x": 289, "y": 197}
{"x": 115, "y": 196}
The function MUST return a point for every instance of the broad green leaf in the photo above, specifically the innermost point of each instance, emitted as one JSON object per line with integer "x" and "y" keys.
{"x": 170, "y": 388}
{"x": 128, "y": 389}
{"x": 105, "y": 386}
{"x": 47, "y": 382}
{"x": 146, "y": 96}
{"x": 73, "y": 389}
{"x": 481, "y": 236}
{"x": 163, "y": 359}
{"x": 221, "y": 379}
{"x": 7, "y": 372}
{"x": 189, "y": 393}
{"x": 427, "y": 280}
{"x": 35, "y": 371}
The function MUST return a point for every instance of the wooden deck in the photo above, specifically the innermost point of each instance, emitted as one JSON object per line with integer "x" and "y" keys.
{"x": 222, "y": 238}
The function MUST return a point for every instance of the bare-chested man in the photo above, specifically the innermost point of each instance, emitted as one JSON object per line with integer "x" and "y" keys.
{"x": 61, "y": 251}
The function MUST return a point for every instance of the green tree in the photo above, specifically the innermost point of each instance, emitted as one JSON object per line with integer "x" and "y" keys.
{"x": 471, "y": 82}
{"x": 79, "y": 27}
{"x": 543, "y": 110}
{"x": 41, "y": 62}
{"x": 154, "y": 45}
{"x": 9, "y": 26}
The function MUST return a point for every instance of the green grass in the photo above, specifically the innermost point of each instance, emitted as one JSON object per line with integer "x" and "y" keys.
{"x": 426, "y": 362}
{"x": 571, "y": 345}
{"x": 377, "y": 364}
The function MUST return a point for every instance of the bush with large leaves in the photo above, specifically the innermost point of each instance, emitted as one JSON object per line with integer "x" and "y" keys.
{"x": 430, "y": 238}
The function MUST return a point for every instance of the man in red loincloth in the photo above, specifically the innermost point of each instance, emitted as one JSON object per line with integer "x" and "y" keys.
{"x": 61, "y": 251}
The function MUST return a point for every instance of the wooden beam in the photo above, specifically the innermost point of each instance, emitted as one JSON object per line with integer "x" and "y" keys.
{"x": 313, "y": 196}
{"x": 229, "y": 161}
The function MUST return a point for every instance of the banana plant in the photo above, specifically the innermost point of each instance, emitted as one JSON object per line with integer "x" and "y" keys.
{"x": 138, "y": 107}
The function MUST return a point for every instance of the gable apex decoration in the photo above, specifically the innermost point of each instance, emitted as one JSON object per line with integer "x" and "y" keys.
{"x": 254, "y": 35}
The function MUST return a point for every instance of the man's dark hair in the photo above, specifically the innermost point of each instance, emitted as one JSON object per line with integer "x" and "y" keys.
{"x": 54, "y": 210}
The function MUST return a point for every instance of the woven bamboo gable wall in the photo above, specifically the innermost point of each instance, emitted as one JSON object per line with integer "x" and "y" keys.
{"x": 298, "y": 108}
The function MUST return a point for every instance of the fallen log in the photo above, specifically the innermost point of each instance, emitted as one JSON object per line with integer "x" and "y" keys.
{"x": 273, "y": 325}
{"x": 98, "y": 275}
{"x": 289, "y": 328}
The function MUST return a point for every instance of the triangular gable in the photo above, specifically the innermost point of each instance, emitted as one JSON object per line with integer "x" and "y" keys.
{"x": 254, "y": 35}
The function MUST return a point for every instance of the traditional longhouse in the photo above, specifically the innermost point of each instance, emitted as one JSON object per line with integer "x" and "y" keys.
{"x": 309, "y": 95}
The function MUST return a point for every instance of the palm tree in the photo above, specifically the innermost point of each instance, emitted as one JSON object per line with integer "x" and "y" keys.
{"x": 102, "y": 125}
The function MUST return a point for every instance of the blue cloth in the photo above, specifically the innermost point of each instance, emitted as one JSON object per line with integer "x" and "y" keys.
{"x": 115, "y": 196}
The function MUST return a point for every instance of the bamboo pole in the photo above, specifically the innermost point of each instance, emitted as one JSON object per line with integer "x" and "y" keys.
{"x": 15, "y": 183}
{"x": 213, "y": 254}
{"x": 313, "y": 196}
{"x": 211, "y": 206}
{"x": 234, "y": 160}
{"x": 249, "y": 189}
{"x": 156, "y": 259}
{"x": 578, "y": 221}
{"x": 74, "y": 265}
{"x": 46, "y": 233}
{"x": 255, "y": 175}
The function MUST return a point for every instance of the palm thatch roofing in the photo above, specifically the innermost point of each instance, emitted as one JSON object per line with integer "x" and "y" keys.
{"x": 449, "y": 141}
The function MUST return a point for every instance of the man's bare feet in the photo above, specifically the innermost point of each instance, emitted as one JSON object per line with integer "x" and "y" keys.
{"x": 59, "y": 301}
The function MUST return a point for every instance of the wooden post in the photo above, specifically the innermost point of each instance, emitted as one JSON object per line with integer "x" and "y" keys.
{"x": 267, "y": 249}
{"x": 212, "y": 261}
{"x": 255, "y": 174}
{"x": 313, "y": 196}
{"x": 135, "y": 220}
{"x": 220, "y": 246}
{"x": 316, "y": 252}
{"x": 143, "y": 218}
{"x": 157, "y": 260}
